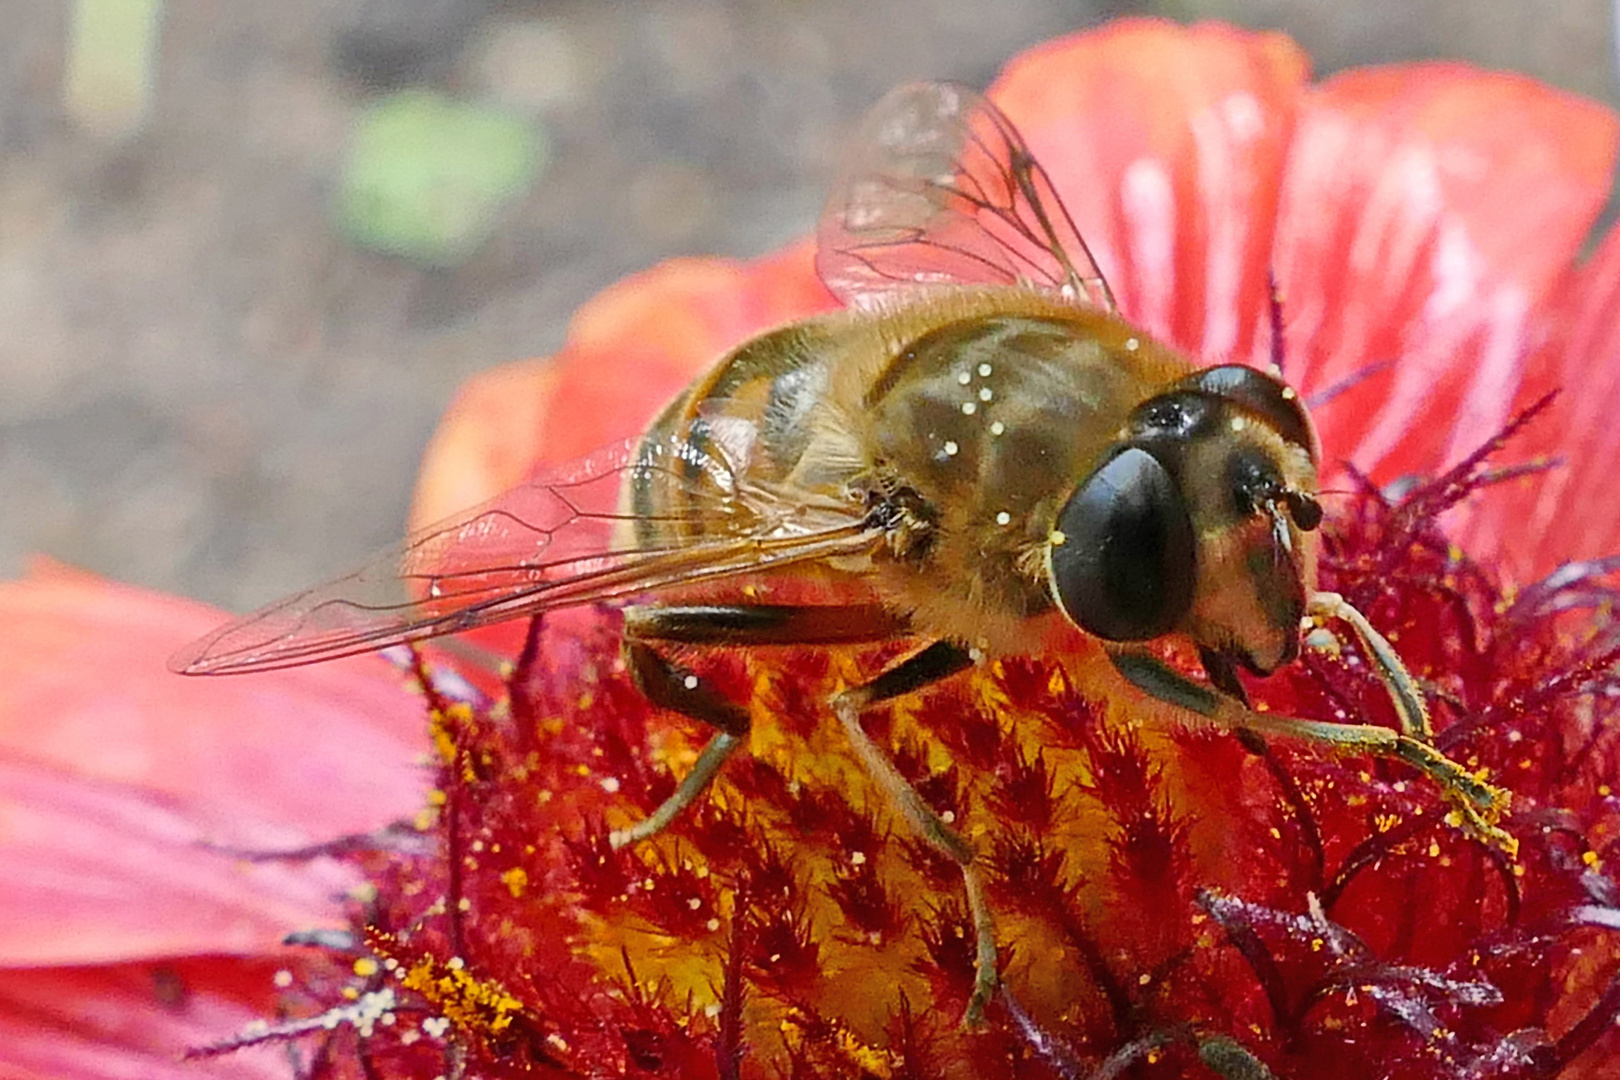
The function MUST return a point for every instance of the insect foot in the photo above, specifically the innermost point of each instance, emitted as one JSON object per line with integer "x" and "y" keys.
{"x": 1477, "y": 806}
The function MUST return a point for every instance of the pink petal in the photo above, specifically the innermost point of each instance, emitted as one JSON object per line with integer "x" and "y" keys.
{"x": 1167, "y": 145}
{"x": 98, "y": 873}
{"x": 1428, "y": 213}
{"x": 285, "y": 757}
{"x": 116, "y": 769}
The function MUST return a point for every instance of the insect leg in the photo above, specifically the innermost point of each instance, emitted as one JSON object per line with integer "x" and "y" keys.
{"x": 1476, "y": 803}
{"x": 1403, "y": 689}
{"x": 938, "y": 661}
{"x": 671, "y": 686}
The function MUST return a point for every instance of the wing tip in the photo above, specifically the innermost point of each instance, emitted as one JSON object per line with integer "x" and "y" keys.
{"x": 195, "y": 658}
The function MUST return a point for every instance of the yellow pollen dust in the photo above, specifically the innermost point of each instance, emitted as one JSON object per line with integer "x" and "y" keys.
{"x": 516, "y": 881}
{"x": 474, "y": 1005}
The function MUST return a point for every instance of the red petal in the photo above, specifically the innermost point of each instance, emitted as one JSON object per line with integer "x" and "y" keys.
{"x": 1167, "y": 145}
{"x": 117, "y": 770}
{"x": 1570, "y": 512}
{"x": 135, "y": 1021}
{"x": 1428, "y": 213}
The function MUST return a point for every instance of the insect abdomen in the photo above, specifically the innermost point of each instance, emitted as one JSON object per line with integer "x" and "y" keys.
{"x": 750, "y": 417}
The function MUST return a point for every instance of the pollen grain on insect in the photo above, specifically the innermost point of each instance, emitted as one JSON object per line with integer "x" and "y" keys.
{"x": 998, "y": 428}
{"x": 969, "y": 408}
{"x": 985, "y": 371}
{"x": 986, "y": 394}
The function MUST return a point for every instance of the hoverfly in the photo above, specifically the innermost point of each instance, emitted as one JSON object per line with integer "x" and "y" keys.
{"x": 978, "y": 453}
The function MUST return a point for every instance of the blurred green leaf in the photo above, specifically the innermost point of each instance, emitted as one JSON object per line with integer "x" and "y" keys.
{"x": 112, "y": 49}
{"x": 427, "y": 176}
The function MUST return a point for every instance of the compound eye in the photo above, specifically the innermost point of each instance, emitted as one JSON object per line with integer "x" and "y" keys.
{"x": 1124, "y": 568}
{"x": 1260, "y": 393}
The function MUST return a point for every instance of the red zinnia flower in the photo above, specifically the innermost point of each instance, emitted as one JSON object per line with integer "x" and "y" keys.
{"x": 1169, "y": 901}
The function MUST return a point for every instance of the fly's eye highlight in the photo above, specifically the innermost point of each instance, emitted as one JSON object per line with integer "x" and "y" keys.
{"x": 1125, "y": 567}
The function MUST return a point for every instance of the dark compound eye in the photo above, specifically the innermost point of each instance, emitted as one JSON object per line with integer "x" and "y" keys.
{"x": 1261, "y": 394}
{"x": 1176, "y": 415}
{"x": 1125, "y": 565}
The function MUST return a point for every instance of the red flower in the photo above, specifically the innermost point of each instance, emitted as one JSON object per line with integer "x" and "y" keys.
{"x": 1165, "y": 897}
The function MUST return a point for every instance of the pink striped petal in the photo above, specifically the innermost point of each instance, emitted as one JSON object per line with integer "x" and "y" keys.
{"x": 1428, "y": 214}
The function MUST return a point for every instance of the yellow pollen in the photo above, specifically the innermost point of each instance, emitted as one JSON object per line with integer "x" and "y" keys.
{"x": 481, "y": 1006}
{"x": 516, "y": 881}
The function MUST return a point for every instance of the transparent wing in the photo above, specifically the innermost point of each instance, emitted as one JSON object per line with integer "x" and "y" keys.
{"x": 940, "y": 189}
{"x": 557, "y": 541}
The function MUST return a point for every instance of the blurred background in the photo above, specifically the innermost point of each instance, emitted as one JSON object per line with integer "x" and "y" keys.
{"x": 248, "y": 250}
